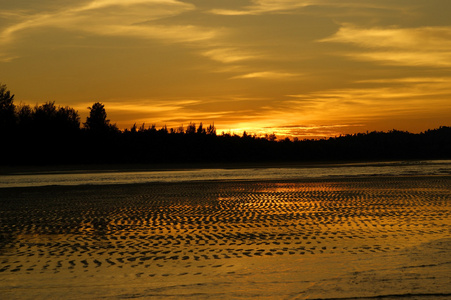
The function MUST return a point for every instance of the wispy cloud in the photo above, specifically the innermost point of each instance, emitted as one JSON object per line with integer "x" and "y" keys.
{"x": 265, "y": 6}
{"x": 106, "y": 3}
{"x": 259, "y": 7}
{"x": 239, "y": 60}
{"x": 146, "y": 106}
{"x": 415, "y": 58}
{"x": 408, "y": 80}
{"x": 382, "y": 98}
{"x": 310, "y": 131}
{"x": 6, "y": 57}
{"x": 231, "y": 55}
{"x": 115, "y": 18}
{"x": 230, "y": 110}
{"x": 424, "y": 46}
{"x": 267, "y": 75}
{"x": 125, "y": 112}
{"x": 427, "y": 38}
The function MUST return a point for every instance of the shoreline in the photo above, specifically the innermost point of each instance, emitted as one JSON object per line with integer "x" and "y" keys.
{"x": 306, "y": 180}
{"x": 112, "y": 168}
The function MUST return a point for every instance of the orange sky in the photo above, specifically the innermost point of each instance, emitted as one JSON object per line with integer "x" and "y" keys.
{"x": 308, "y": 68}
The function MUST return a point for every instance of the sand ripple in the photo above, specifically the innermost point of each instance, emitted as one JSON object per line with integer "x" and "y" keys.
{"x": 203, "y": 229}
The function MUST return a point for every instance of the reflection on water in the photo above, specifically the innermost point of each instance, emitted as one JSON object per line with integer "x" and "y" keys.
{"x": 442, "y": 167}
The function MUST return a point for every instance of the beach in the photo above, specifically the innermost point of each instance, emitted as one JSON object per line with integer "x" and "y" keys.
{"x": 385, "y": 237}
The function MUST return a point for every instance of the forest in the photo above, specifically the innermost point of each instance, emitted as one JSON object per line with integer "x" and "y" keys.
{"x": 48, "y": 134}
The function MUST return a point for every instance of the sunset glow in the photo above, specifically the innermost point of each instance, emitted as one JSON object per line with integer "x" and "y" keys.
{"x": 306, "y": 69}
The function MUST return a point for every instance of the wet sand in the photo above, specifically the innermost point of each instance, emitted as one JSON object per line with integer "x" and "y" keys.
{"x": 356, "y": 238}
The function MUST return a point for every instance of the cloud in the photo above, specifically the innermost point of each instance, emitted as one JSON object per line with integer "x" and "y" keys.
{"x": 226, "y": 112}
{"x": 311, "y": 131}
{"x": 175, "y": 110}
{"x": 230, "y": 55}
{"x": 134, "y": 18}
{"x": 416, "y": 58}
{"x": 105, "y": 3}
{"x": 4, "y": 58}
{"x": 234, "y": 55}
{"x": 323, "y": 113}
{"x": 145, "y": 106}
{"x": 427, "y": 38}
{"x": 382, "y": 98}
{"x": 265, "y": 6}
{"x": 423, "y": 46}
{"x": 175, "y": 34}
{"x": 267, "y": 75}
{"x": 408, "y": 80}
{"x": 284, "y": 6}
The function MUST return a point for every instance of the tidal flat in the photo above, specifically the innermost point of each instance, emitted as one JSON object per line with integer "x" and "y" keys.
{"x": 328, "y": 238}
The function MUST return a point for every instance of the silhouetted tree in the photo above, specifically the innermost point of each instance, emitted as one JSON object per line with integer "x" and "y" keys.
{"x": 211, "y": 130}
{"x": 97, "y": 121}
{"x": 200, "y": 129}
{"x": 191, "y": 128}
{"x": 7, "y": 109}
{"x": 142, "y": 128}
{"x": 68, "y": 117}
{"x": 180, "y": 130}
{"x": 164, "y": 130}
{"x": 24, "y": 114}
{"x": 51, "y": 118}
{"x": 271, "y": 137}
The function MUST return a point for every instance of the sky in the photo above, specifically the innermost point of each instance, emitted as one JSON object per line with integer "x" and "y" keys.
{"x": 299, "y": 68}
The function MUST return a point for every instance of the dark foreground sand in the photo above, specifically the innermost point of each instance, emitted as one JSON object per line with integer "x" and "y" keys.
{"x": 383, "y": 238}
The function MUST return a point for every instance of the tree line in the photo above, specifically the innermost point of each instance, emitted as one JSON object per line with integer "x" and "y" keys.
{"x": 50, "y": 134}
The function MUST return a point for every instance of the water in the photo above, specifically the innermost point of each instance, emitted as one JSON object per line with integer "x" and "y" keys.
{"x": 399, "y": 168}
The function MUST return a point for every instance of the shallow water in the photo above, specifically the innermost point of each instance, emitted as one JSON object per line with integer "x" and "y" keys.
{"x": 377, "y": 237}
{"x": 80, "y": 177}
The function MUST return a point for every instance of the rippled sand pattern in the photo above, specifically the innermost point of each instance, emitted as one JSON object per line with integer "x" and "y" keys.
{"x": 363, "y": 237}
